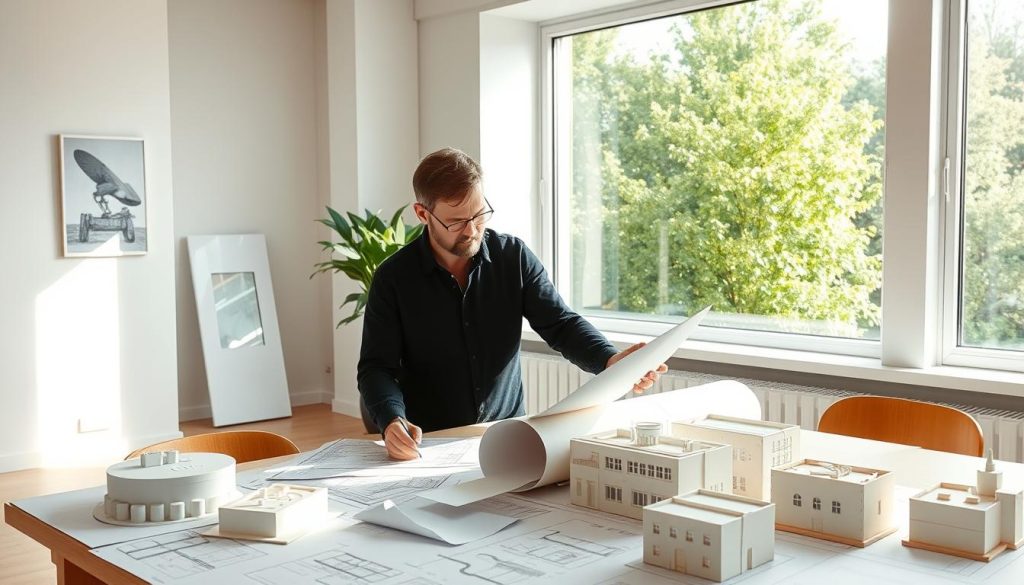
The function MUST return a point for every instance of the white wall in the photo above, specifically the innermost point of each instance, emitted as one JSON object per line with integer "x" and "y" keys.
{"x": 371, "y": 105}
{"x": 245, "y": 132}
{"x": 509, "y": 124}
{"x": 449, "y": 90}
{"x": 91, "y": 338}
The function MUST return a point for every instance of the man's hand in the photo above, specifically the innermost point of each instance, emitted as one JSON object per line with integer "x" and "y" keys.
{"x": 401, "y": 437}
{"x": 649, "y": 379}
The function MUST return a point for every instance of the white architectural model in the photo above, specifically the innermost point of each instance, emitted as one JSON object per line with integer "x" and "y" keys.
{"x": 851, "y": 505}
{"x": 275, "y": 511}
{"x": 975, "y": 522}
{"x": 166, "y": 487}
{"x": 708, "y": 534}
{"x": 620, "y": 473}
{"x": 757, "y": 447}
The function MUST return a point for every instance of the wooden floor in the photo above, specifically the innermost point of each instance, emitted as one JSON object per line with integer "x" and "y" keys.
{"x": 25, "y": 562}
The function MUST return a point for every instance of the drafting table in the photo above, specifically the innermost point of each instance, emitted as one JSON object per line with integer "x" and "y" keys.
{"x": 913, "y": 468}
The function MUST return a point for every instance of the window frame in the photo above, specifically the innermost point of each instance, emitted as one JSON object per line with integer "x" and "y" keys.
{"x": 954, "y": 95}
{"x": 929, "y": 336}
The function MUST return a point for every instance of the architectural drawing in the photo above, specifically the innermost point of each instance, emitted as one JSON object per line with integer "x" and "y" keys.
{"x": 186, "y": 552}
{"x": 330, "y": 567}
{"x": 850, "y": 505}
{"x": 708, "y": 534}
{"x": 352, "y": 457}
{"x": 563, "y": 548}
{"x": 976, "y": 522}
{"x": 621, "y": 471}
{"x": 757, "y": 447}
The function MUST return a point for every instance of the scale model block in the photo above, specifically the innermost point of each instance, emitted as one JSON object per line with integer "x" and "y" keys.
{"x": 278, "y": 510}
{"x": 841, "y": 503}
{"x": 975, "y": 522}
{"x": 620, "y": 472}
{"x": 708, "y": 534}
{"x": 757, "y": 447}
{"x": 164, "y": 487}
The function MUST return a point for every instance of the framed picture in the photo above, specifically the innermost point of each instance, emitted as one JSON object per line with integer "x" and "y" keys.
{"x": 103, "y": 195}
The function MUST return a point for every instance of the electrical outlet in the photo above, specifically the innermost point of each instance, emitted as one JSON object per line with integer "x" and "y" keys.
{"x": 93, "y": 424}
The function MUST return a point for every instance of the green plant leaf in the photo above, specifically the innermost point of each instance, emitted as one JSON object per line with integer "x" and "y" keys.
{"x": 340, "y": 225}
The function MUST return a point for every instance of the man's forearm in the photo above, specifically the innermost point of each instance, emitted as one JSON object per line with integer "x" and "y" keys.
{"x": 382, "y": 397}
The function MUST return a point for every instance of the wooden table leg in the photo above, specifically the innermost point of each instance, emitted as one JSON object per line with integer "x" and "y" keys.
{"x": 69, "y": 573}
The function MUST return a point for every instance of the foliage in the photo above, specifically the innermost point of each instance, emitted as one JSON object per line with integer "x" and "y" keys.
{"x": 736, "y": 153}
{"x": 365, "y": 243}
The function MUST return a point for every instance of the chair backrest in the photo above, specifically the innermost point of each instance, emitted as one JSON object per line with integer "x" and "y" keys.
{"x": 908, "y": 422}
{"x": 242, "y": 445}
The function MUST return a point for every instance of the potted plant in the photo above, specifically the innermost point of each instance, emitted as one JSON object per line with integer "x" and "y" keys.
{"x": 365, "y": 243}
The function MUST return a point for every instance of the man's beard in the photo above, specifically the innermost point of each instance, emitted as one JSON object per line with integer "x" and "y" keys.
{"x": 466, "y": 247}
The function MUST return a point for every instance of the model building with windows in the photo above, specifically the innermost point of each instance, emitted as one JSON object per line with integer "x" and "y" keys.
{"x": 841, "y": 503}
{"x": 621, "y": 471}
{"x": 708, "y": 534}
{"x": 757, "y": 447}
{"x": 975, "y": 522}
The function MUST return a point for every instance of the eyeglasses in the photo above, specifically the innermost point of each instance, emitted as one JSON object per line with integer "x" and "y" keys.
{"x": 478, "y": 220}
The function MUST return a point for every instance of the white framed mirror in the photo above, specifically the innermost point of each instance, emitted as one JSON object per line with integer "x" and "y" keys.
{"x": 239, "y": 330}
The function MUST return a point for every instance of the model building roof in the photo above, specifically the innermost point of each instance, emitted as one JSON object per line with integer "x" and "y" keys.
{"x": 709, "y": 507}
{"x": 668, "y": 446}
{"x": 741, "y": 425}
{"x": 834, "y": 471}
{"x": 958, "y": 495}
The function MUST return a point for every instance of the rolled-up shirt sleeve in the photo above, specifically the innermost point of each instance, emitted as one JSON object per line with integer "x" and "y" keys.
{"x": 380, "y": 355}
{"x": 562, "y": 328}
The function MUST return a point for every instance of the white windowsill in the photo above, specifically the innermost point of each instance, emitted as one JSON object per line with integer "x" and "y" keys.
{"x": 948, "y": 377}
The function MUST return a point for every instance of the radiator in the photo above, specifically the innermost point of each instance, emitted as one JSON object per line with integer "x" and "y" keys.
{"x": 548, "y": 379}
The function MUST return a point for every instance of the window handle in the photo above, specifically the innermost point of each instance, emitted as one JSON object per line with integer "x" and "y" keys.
{"x": 945, "y": 178}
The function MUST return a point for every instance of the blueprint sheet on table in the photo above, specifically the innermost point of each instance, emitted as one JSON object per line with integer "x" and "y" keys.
{"x": 553, "y": 542}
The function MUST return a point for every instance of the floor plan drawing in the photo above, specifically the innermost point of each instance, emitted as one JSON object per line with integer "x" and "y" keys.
{"x": 351, "y": 457}
{"x": 332, "y": 567}
{"x": 554, "y": 550}
{"x": 185, "y": 553}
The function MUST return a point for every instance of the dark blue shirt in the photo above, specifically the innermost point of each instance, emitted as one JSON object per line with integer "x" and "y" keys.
{"x": 442, "y": 357}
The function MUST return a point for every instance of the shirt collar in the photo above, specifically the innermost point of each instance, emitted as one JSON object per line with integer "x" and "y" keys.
{"x": 427, "y": 253}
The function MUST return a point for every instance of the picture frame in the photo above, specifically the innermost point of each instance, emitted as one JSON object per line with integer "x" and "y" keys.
{"x": 104, "y": 196}
{"x": 245, "y": 369}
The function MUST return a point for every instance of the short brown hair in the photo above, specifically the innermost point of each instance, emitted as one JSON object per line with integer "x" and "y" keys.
{"x": 445, "y": 174}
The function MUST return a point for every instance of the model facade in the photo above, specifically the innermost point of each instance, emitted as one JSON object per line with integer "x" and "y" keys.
{"x": 976, "y": 522}
{"x": 621, "y": 471}
{"x": 757, "y": 447}
{"x": 850, "y": 505}
{"x": 164, "y": 486}
{"x": 708, "y": 534}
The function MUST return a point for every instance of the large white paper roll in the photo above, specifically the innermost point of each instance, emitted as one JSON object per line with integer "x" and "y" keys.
{"x": 523, "y": 453}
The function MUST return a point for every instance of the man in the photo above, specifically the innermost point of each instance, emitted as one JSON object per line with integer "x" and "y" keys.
{"x": 443, "y": 320}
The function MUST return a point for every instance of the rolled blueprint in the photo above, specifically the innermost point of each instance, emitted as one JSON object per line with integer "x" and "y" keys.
{"x": 524, "y": 453}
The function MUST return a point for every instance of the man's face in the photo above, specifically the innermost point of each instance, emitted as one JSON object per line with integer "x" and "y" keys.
{"x": 466, "y": 242}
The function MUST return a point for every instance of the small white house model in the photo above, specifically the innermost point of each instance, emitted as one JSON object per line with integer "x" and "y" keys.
{"x": 757, "y": 447}
{"x": 850, "y": 505}
{"x": 621, "y": 472}
{"x": 975, "y": 522}
{"x": 708, "y": 534}
{"x": 278, "y": 511}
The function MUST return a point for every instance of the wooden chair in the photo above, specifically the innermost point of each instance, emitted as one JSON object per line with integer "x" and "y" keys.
{"x": 242, "y": 445}
{"x": 908, "y": 422}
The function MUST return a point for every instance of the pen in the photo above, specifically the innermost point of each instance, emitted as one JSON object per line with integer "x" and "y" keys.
{"x": 405, "y": 427}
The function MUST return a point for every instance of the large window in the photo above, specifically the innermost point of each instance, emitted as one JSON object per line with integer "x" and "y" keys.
{"x": 992, "y": 194}
{"x": 729, "y": 156}
{"x": 733, "y": 155}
